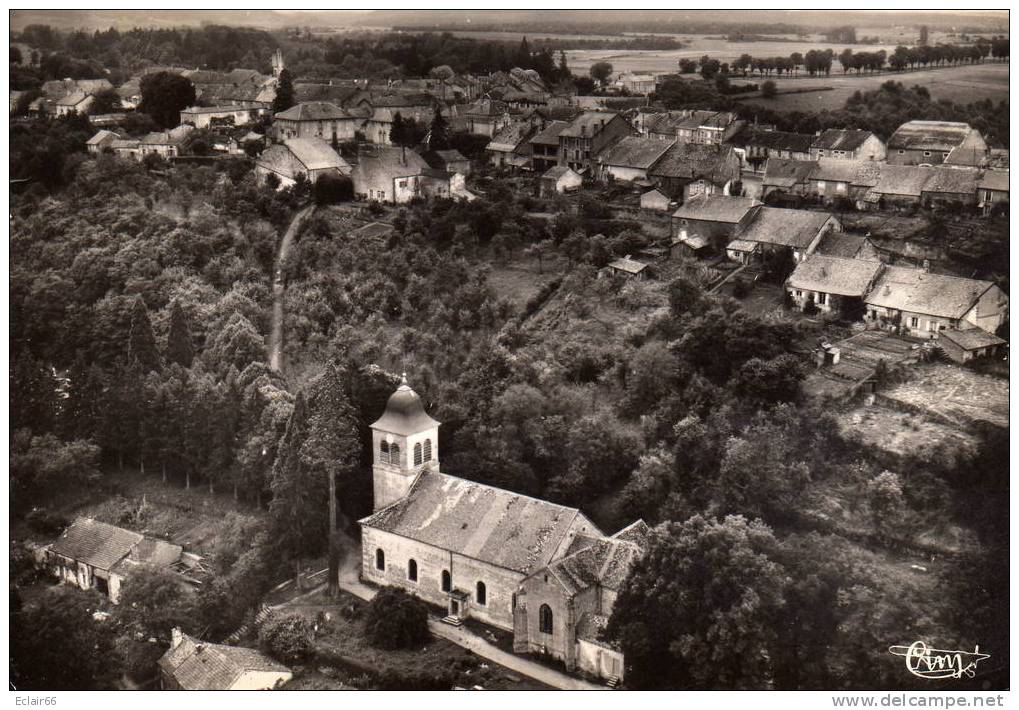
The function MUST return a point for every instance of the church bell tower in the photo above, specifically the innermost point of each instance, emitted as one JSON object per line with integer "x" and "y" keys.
{"x": 405, "y": 440}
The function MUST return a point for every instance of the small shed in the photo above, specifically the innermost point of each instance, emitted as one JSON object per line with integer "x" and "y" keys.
{"x": 655, "y": 200}
{"x": 693, "y": 246}
{"x": 626, "y": 267}
{"x": 741, "y": 250}
{"x": 559, "y": 179}
{"x": 965, "y": 345}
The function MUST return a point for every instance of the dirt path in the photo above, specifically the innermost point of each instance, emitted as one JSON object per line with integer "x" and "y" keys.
{"x": 279, "y": 288}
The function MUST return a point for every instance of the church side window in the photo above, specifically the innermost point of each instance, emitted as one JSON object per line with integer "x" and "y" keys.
{"x": 394, "y": 453}
{"x": 412, "y": 570}
{"x": 428, "y": 449}
{"x": 545, "y": 619}
{"x": 417, "y": 454}
{"x": 384, "y": 452}
{"x": 446, "y": 581}
{"x": 380, "y": 560}
{"x": 481, "y": 594}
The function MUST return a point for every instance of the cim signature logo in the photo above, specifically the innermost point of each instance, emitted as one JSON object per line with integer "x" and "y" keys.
{"x": 935, "y": 663}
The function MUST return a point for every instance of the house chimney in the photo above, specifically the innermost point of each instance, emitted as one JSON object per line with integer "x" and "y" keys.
{"x": 176, "y": 637}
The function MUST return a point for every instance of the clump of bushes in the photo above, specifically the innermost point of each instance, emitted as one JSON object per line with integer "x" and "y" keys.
{"x": 396, "y": 620}
{"x": 286, "y": 638}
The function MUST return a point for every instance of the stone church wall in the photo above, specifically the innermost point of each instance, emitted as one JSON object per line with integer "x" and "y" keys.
{"x": 500, "y": 584}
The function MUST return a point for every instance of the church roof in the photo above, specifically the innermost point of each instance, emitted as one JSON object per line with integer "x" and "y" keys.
{"x": 489, "y": 524}
{"x": 405, "y": 413}
{"x": 605, "y": 563}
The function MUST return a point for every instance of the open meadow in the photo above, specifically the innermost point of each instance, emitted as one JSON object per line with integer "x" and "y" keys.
{"x": 963, "y": 84}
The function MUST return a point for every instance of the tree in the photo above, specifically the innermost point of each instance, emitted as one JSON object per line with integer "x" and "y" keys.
{"x": 15, "y": 55}
{"x": 105, "y": 101}
{"x": 45, "y": 463}
{"x": 768, "y": 89}
{"x": 523, "y": 58}
{"x": 438, "y": 132}
{"x": 701, "y": 609}
{"x": 333, "y": 189}
{"x": 284, "y": 98}
{"x": 600, "y": 72}
{"x": 154, "y": 600}
{"x": 395, "y": 620}
{"x": 179, "y": 346}
{"x": 287, "y": 638}
{"x": 332, "y": 449}
{"x": 164, "y": 95}
{"x": 887, "y": 503}
{"x": 56, "y": 644}
{"x": 141, "y": 342}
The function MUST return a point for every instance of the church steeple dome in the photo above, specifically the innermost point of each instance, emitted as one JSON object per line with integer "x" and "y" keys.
{"x": 405, "y": 441}
{"x": 405, "y": 413}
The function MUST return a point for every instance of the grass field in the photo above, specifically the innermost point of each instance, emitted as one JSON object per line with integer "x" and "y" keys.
{"x": 960, "y": 84}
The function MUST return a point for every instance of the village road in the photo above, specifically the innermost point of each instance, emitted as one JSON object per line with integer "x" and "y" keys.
{"x": 279, "y": 288}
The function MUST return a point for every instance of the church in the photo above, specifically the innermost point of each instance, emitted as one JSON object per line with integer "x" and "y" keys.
{"x": 542, "y": 571}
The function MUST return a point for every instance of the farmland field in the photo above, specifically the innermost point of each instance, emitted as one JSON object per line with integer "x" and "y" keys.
{"x": 960, "y": 84}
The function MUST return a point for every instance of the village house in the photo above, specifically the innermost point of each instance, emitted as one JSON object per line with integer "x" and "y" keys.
{"x": 472, "y": 548}
{"x": 449, "y": 160}
{"x": 545, "y": 146}
{"x": 221, "y": 116}
{"x": 165, "y": 144}
{"x": 992, "y": 189}
{"x": 310, "y": 157}
{"x": 846, "y": 246}
{"x": 833, "y": 284}
{"x": 777, "y": 230}
{"x": 655, "y": 201}
{"x": 126, "y": 148}
{"x": 686, "y": 170}
{"x": 94, "y": 555}
{"x": 707, "y": 127}
{"x": 921, "y": 304}
{"x": 662, "y": 125}
{"x": 487, "y": 117}
{"x": 386, "y": 174}
{"x": 834, "y": 178}
{"x": 76, "y": 102}
{"x": 630, "y": 158}
{"x": 961, "y": 346}
{"x": 847, "y": 144}
{"x": 950, "y": 186}
{"x": 588, "y": 135}
{"x": 377, "y": 124}
{"x": 931, "y": 142}
{"x": 316, "y": 119}
{"x": 898, "y": 186}
{"x": 192, "y": 664}
{"x": 756, "y": 146}
{"x": 718, "y": 219}
{"x": 101, "y": 141}
{"x": 510, "y": 148}
{"x": 786, "y": 176}
{"x": 559, "y": 179}
{"x": 636, "y": 83}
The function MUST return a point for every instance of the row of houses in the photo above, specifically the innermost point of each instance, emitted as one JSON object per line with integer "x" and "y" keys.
{"x": 913, "y": 302}
{"x": 884, "y": 185}
{"x": 379, "y": 173}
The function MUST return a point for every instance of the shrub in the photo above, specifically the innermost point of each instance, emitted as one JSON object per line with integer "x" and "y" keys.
{"x": 769, "y": 89}
{"x": 740, "y": 289}
{"x": 810, "y": 308}
{"x": 286, "y": 638}
{"x": 45, "y": 522}
{"x": 331, "y": 189}
{"x": 396, "y": 620}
